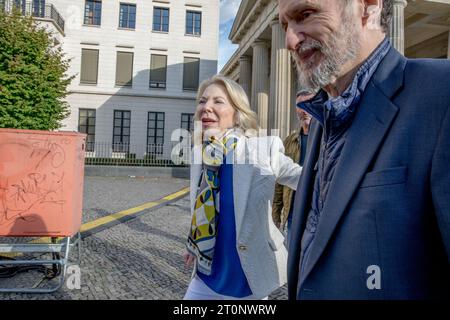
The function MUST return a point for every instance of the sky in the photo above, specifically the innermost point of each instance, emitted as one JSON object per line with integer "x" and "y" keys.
{"x": 228, "y": 10}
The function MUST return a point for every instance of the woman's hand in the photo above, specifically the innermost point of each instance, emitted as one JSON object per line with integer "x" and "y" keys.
{"x": 188, "y": 259}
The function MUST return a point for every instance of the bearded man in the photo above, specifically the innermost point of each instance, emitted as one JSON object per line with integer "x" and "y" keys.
{"x": 371, "y": 216}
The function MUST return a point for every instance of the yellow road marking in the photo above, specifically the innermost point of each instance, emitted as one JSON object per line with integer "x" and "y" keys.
{"x": 112, "y": 217}
{"x": 116, "y": 216}
{"x": 176, "y": 194}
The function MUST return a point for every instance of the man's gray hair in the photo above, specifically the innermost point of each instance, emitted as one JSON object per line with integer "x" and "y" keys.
{"x": 386, "y": 14}
{"x": 306, "y": 92}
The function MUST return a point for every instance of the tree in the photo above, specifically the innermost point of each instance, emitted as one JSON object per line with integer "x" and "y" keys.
{"x": 33, "y": 80}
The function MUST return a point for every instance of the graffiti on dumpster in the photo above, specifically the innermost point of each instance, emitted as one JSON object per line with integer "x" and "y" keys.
{"x": 31, "y": 178}
{"x": 45, "y": 149}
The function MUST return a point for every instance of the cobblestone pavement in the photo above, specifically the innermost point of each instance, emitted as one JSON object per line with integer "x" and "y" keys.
{"x": 123, "y": 193}
{"x": 138, "y": 259}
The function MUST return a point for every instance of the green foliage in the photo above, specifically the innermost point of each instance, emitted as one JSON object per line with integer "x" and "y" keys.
{"x": 33, "y": 80}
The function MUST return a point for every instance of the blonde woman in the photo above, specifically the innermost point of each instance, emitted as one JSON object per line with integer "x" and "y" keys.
{"x": 236, "y": 249}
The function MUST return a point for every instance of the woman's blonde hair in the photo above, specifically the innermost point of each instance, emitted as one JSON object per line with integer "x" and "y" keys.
{"x": 245, "y": 118}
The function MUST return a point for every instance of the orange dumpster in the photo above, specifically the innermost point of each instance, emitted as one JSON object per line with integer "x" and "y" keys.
{"x": 41, "y": 182}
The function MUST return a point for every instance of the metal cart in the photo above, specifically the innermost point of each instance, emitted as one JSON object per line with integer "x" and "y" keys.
{"x": 60, "y": 254}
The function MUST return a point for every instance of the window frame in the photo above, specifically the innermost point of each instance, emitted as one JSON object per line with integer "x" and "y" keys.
{"x": 159, "y": 85}
{"x": 154, "y": 147}
{"x": 38, "y": 8}
{"x": 95, "y": 4}
{"x": 19, "y": 5}
{"x": 81, "y": 66}
{"x": 192, "y": 31}
{"x": 121, "y": 135}
{"x": 90, "y": 145}
{"x": 161, "y": 19}
{"x": 198, "y": 73}
{"x": 190, "y": 121}
{"x": 129, "y": 5}
{"x": 132, "y": 69}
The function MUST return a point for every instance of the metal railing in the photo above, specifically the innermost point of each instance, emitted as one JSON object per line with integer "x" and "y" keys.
{"x": 34, "y": 9}
{"x": 124, "y": 154}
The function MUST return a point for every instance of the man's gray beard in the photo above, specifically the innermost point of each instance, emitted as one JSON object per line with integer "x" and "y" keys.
{"x": 344, "y": 46}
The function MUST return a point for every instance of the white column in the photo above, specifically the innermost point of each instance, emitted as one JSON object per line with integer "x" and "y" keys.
{"x": 397, "y": 31}
{"x": 448, "y": 47}
{"x": 281, "y": 82}
{"x": 260, "y": 81}
{"x": 294, "y": 88}
{"x": 245, "y": 74}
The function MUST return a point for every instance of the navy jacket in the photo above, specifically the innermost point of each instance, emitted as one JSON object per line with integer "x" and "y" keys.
{"x": 389, "y": 201}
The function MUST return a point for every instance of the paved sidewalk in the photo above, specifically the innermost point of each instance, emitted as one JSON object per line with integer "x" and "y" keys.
{"x": 107, "y": 195}
{"x": 137, "y": 259}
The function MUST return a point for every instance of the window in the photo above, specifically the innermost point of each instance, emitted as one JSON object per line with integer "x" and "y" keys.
{"x": 38, "y": 8}
{"x": 89, "y": 66}
{"x": 86, "y": 124}
{"x": 161, "y": 19}
{"x": 127, "y": 16}
{"x": 191, "y": 68}
{"x": 194, "y": 23}
{"x": 187, "y": 121}
{"x": 20, "y": 5}
{"x": 121, "y": 134}
{"x": 124, "y": 69}
{"x": 155, "y": 133}
{"x": 93, "y": 12}
{"x": 158, "y": 71}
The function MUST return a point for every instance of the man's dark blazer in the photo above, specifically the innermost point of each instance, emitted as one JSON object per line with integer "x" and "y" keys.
{"x": 389, "y": 201}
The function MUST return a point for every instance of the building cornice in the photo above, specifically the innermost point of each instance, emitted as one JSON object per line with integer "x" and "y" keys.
{"x": 271, "y": 13}
{"x": 244, "y": 24}
{"x": 231, "y": 64}
{"x": 238, "y": 18}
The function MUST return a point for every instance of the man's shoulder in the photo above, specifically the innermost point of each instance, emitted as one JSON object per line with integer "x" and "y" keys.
{"x": 428, "y": 69}
{"x": 427, "y": 80}
{"x": 429, "y": 62}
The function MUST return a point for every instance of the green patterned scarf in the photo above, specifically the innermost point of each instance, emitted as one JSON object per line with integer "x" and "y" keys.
{"x": 203, "y": 232}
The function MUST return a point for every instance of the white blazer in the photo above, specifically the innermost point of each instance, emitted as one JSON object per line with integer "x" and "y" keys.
{"x": 259, "y": 243}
